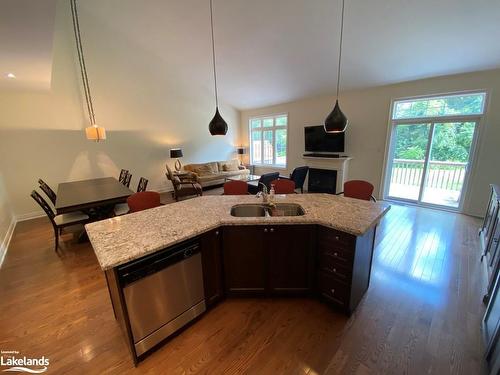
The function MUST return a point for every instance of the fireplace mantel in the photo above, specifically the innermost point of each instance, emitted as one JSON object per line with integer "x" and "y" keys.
{"x": 340, "y": 165}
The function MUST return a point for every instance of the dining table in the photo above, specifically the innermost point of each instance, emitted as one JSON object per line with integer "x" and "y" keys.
{"x": 95, "y": 193}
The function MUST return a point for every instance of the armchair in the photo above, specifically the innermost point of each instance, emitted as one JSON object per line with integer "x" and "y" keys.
{"x": 184, "y": 185}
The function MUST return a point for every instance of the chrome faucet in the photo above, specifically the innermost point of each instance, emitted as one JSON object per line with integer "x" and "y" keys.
{"x": 262, "y": 193}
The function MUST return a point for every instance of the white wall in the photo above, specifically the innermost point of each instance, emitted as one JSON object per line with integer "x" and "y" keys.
{"x": 7, "y": 221}
{"x": 145, "y": 109}
{"x": 368, "y": 113}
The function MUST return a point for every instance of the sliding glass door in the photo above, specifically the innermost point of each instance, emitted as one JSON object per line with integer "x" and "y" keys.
{"x": 431, "y": 150}
{"x": 449, "y": 158}
{"x": 410, "y": 142}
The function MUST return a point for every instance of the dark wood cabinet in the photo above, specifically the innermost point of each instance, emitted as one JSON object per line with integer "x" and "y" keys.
{"x": 291, "y": 259}
{"x": 344, "y": 266}
{"x": 490, "y": 239}
{"x": 245, "y": 260}
{"x": 211, "y": 255}
{"x": 265, "y": 260}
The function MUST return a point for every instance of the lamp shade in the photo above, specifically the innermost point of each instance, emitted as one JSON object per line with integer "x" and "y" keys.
{"x": 217, "y": 126}
{"x": 336, "y": 122}
{"x": 95, "y": 133}
{"x": 175, "y": 153}
{"x": 240, "y": 150}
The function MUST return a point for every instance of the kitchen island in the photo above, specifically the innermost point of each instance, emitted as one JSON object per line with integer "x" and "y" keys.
{"x": 211, "y": 255}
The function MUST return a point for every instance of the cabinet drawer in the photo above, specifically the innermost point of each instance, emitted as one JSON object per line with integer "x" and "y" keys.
{"x": 331, "y": 238}
{"x": 335, "y": 256}
{"x": 337, "y": 271}
{"x": 333, "y": 290}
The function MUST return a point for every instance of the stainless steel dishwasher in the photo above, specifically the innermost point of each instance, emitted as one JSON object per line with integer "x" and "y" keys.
{"x": 163, "y": 292}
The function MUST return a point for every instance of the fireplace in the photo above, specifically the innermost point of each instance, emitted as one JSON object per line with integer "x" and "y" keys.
{"x": 322, "y": 181}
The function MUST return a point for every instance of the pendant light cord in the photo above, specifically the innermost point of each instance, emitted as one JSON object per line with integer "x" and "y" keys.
{"x": 213, "y": 54}
{"x": 81, "y": 60}
{"x": 340, "y": 49}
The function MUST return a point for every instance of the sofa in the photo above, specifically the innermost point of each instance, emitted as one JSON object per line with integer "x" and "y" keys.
{"x": 215, "y": 172}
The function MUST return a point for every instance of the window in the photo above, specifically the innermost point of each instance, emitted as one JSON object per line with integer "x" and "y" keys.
{"x": 268, "y": 138}
{"x": 451, "y": 105}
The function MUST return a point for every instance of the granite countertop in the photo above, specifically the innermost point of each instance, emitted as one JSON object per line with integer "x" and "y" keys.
{"x": 124, "y": 238}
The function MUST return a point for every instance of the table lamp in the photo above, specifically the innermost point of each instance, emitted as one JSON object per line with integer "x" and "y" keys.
{"x": 241, "y": 151}
{"x": 176, "y": 153}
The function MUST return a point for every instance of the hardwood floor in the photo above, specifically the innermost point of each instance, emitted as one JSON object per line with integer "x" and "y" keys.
{"x": 421, "y": 314}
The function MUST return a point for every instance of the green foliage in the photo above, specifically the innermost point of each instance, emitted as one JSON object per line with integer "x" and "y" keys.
{"x": 451, "y": 141}
{"x": 440, "y": 106}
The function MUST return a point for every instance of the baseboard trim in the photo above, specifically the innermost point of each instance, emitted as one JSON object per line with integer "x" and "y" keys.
{"x": 30, "y": 215}
{"x": 6, "y": 241}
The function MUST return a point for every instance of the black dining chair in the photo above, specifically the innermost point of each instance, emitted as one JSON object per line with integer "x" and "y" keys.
{"x": 143, "y": 183}
{"x": 48, "y": 191}
{"x": 128, "y": 177}
{"x": 299, "y": 176}
{"x": 123, "y": 175}
{"x": 59, "y": 221}
{"x": 266, "y": 180}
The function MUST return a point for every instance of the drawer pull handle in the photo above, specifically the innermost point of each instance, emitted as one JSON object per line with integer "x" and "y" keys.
{"x": 265, "y": 230}
{"x": 337, "y": 238}
{"x": 333, "y": 291}
{"x": 335, "y": 255}
{"x": 217, "y": 233}
{"x": 334, "y": 270}
{"x": 271, "y": 230}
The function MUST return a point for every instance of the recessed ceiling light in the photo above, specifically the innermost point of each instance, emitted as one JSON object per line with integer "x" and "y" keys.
{"x": 11, "y": 75}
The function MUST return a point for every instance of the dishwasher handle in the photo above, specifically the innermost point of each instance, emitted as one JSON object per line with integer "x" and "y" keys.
{"x": 155, "y": 263}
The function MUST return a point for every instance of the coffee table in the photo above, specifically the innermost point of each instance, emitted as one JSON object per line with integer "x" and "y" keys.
{"x": 246, "y": 178}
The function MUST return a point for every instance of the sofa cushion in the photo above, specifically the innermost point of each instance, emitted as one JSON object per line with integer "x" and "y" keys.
{"x": 229, "y": 165}
{"x": 203, "y": 169}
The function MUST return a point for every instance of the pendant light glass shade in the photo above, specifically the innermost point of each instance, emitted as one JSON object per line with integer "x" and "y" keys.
{"x": 95, "y": 133}
{"x": 336, "y": 122}
{"x": 217, "y": 126}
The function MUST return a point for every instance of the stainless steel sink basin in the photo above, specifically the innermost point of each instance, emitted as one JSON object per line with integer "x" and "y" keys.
{"x": 287, "y": 209}
{"x": 249, "y": 210}
{"x": 262, "y": 210}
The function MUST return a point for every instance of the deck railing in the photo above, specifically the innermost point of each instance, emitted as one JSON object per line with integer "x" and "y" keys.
{"x": 444, "y": 175}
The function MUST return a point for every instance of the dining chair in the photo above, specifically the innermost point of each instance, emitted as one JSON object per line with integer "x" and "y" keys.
{"x": 265, "y": 179}
{"x": 143, "y": 200}
{"x": 143, "y": 183}
{"x": 123, "y": 175}
{"x": 128, "y": 177}
{"x": 358, "y": 189}
{"x": 283, "y": 186}
{"x": 235, "y": 187}
{"x": 48, "y": 191}
{"x": 59, "y": 221}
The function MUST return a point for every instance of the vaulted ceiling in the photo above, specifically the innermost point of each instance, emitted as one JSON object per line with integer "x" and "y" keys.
{"x": 273, "y": 51}
{"x": 26, "y": 36}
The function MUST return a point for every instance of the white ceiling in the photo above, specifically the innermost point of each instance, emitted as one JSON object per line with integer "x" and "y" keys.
{"x": 273, "y": 51}
{"x": 26, "y": 34}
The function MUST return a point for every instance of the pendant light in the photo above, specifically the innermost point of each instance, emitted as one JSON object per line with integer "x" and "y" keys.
{"x": 93, "y": 132}
{"x": 217, "y": 126}
{"x": 336, "y": 122}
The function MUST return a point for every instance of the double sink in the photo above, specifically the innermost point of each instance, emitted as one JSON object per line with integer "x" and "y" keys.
{"x": 266, "y": 210}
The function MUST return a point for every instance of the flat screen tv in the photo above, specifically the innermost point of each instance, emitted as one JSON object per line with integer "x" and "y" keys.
{"x": 317, "y": 140}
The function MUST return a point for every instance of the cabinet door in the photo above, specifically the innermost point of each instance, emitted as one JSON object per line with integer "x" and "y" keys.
{"x": 291, "y": 258}
{"x": 245, "y": 261}
{"x": 212, "y": 267}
